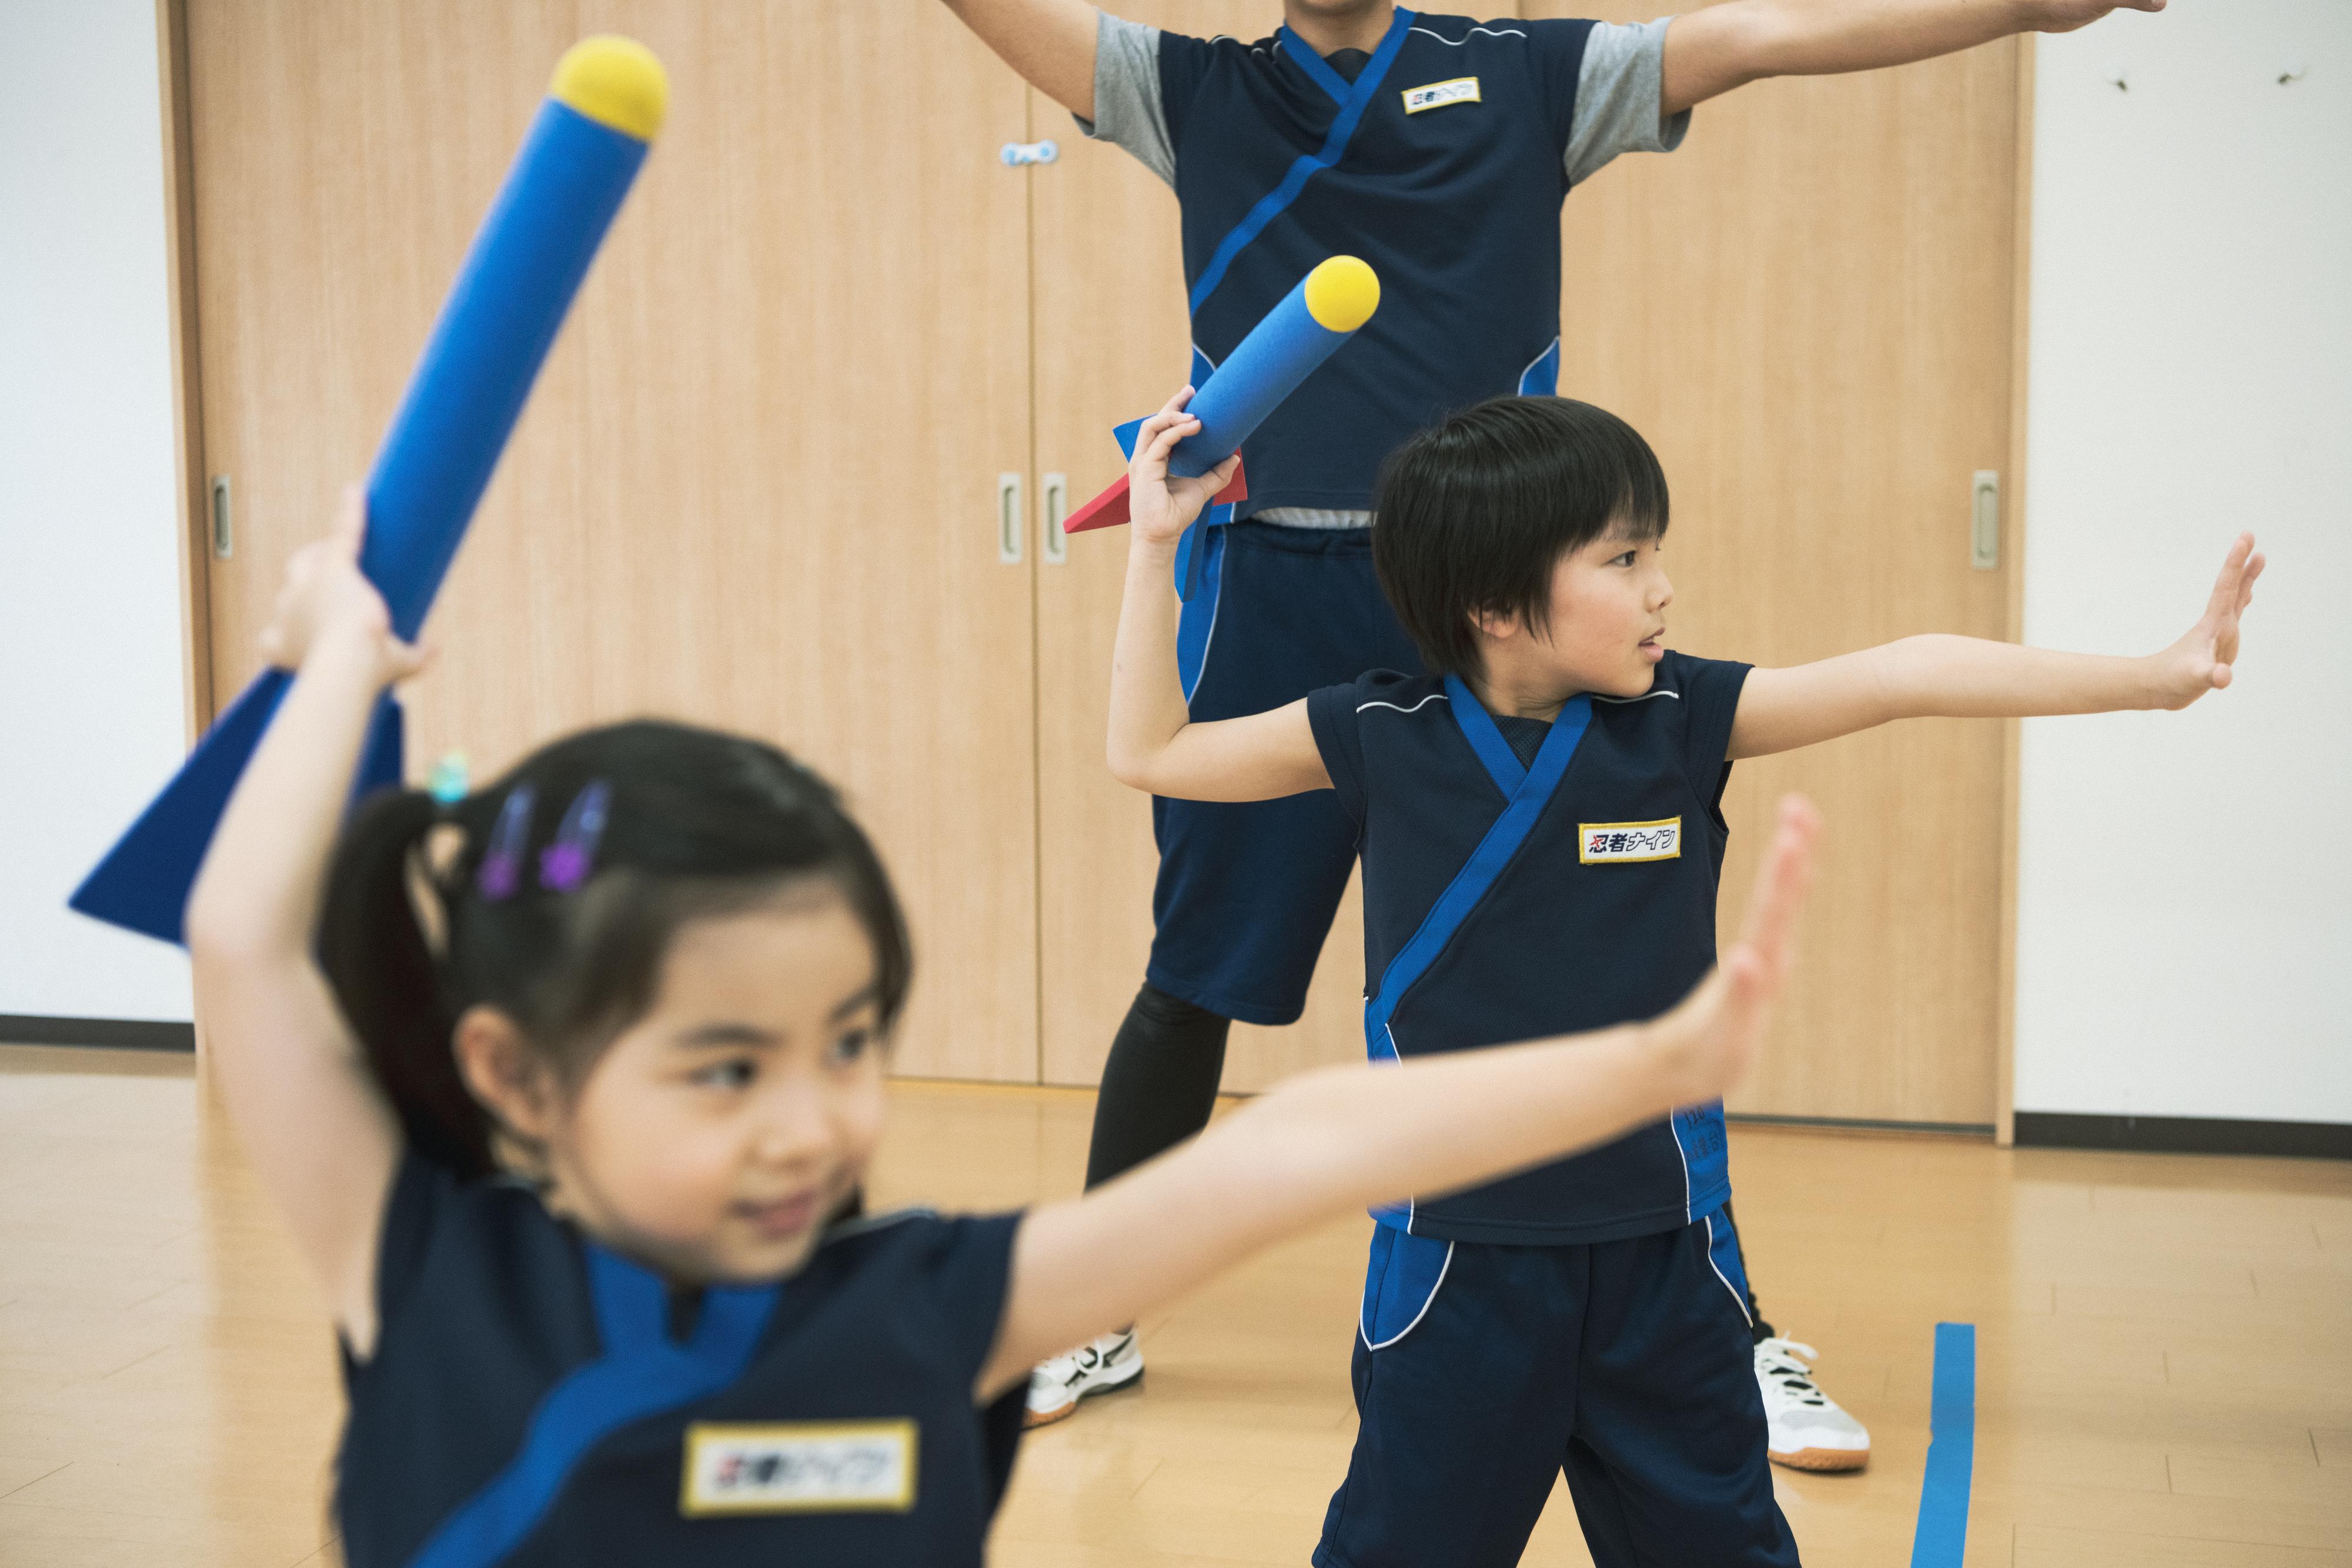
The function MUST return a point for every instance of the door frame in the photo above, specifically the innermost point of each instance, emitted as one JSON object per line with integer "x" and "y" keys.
{"x": 2012, "y": 544}
{"x": 187, "y": 402}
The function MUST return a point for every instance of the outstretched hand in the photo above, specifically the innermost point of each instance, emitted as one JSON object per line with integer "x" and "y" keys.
{"x": 2201, "y": 660}
{"x": 326, "y": 598}
{"x": 1709, "y": 1039}
{"x": 1159, "y": 508}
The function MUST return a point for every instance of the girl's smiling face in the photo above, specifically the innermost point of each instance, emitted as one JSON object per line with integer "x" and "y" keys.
{"x": 717, "y": 1133}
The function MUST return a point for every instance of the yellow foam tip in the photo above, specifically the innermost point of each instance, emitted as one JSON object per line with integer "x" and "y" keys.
{"x": 614, "y": 81}
{"x": 1342, "y": 294}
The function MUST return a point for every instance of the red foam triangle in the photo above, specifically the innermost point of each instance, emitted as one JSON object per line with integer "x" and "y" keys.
{"x": 1108, "y": 511}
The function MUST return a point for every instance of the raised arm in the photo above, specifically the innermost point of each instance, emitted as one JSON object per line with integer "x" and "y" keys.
{"x": 306, "y": 1110}
{"x": 1345, "y": 1138}
{"x": 1153, "y": 743}
{"x": 1967, "y": 677}
{"x": 1718, "y": 47}
{"x": 1050, "y": 42}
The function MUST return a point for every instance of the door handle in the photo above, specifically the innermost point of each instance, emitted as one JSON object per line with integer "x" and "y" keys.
{"x": 1052, "y": 540}
{"x": 1984, "y": 520}
{"x": 223, "y": 522}
{"x": 1009, "y": 520}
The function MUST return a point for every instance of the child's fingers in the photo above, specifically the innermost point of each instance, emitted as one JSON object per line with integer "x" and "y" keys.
{"x": 1781, "y": 884}
{"x": 1183, "y": 395}
{"x": 2226, "y": 586}
{"x": 351, "y": 520}
{"x": 1747, "y": 986}
{"x": 1164, "y": 442}
{"x": 1223, "y": 474}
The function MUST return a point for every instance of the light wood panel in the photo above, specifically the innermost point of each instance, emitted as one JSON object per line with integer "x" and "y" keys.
{"x": 756, "y": 485}
{"x": 1807, "y": 309}
{"x": 1113, "y": 340}
{"x": 2162, "y": 1375}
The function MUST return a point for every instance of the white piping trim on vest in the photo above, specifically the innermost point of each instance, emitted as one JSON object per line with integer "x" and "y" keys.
{"x": 1683, "y": 1154}
{"x": 1457, "y": 43}
{"x": 1538, "y": 360}
{"x": 1736, "y": 1296}
{"x": 1425, "y": 1305}
{"x": 1645, "y": 696}
{"x": 1432, "y": 697}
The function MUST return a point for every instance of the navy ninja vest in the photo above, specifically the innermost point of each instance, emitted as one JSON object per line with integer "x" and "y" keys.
{"x": 536, "y": 1400}
{"x": 1507, "y": 901}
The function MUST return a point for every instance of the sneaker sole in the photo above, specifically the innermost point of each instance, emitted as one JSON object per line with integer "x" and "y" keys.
{"x": 1820, "y": 1459}
{"x": 1032, "y": 1419}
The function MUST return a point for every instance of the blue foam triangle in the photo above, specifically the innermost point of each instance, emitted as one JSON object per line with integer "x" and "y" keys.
{"x": 143, "y": 883}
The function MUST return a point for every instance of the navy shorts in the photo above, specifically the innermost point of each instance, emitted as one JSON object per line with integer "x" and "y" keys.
{"x": 1483, "y": 1371}
{"x": 1247, "y": 890}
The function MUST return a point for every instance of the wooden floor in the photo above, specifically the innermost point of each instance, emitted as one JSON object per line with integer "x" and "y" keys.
{"x": 2165, "y": 1346}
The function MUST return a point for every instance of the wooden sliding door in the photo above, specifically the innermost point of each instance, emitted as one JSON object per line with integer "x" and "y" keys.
{"x": 758, "y": 485}
{"x": 788, "y": 468}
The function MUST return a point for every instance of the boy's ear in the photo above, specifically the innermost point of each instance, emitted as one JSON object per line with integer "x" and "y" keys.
{"x": 509, "y": 1078}
{"x": 1500, "y": 624}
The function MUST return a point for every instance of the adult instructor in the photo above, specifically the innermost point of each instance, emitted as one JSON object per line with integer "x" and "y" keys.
{"x": 1439, "y": 149}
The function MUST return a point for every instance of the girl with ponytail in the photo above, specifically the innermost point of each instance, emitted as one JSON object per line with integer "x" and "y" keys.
{"x": 567, "y": 1089}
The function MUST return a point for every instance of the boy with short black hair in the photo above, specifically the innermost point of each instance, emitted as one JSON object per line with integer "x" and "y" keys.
{"x": 1526, "y": 817}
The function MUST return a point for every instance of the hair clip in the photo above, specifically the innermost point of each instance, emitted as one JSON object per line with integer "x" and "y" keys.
{"x": 503, "y": 865}
{"x": 564, "y": 865}
{"x": 451, "y": 780}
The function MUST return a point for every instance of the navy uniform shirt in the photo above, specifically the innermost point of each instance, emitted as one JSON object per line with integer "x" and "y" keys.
{"x": 534, "y": 1400}
{"x": 1589, "y": 906}
{"x": 1440, "y": 158}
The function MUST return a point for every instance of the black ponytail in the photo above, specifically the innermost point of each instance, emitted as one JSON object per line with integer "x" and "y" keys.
{"x": 391, "y": 984}
{"x": 698, "y": 824}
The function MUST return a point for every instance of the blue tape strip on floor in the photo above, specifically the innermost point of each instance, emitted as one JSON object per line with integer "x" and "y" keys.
{"x": 1951, "y": 1451}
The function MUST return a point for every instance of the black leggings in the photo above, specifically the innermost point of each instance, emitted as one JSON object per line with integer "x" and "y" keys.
{"x": 1161, "y": 1083}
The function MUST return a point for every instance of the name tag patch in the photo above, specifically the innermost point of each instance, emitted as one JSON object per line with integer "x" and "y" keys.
{"x": 799, "y": 1466}
{"x": 1438, "y": 94}
{"x": 1597, "y": 842}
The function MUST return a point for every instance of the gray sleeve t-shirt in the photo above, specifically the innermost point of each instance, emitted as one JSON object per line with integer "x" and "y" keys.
{"x": 1618, "y": 88}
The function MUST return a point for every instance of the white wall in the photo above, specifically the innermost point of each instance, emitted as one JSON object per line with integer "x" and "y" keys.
{"x": 2185, "y": 894}
{"x": 90, "y": 611}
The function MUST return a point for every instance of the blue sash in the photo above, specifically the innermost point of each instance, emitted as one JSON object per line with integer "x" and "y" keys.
{"x": 641, "y": 1374}
{"x": 1353, "y": 101}
{"x": 1526, "y": 791}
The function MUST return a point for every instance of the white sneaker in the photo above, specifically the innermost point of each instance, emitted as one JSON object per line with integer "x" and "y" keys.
{"x": 1113, "y": 1361}
{"x": 1808, "y": 1432}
